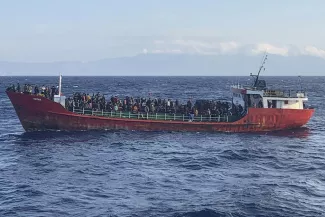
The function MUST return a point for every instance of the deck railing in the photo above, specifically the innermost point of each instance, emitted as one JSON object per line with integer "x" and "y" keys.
{"x": 286, "y": 93}
{"x": 155, "y": 116}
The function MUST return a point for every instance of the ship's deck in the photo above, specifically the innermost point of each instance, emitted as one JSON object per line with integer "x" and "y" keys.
{"x": 156, "y": 116}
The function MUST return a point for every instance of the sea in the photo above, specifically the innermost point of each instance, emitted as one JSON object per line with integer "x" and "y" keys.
{"x": 173, "y": 174}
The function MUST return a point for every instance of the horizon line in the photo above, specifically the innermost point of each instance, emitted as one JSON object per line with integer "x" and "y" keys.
{"x": 160, "y": 76}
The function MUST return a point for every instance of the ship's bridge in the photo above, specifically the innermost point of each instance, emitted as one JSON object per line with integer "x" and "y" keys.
{"x": 248, "y": 96}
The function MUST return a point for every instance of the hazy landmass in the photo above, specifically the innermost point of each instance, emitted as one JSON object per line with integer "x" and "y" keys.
{"x": 173, "y": 65}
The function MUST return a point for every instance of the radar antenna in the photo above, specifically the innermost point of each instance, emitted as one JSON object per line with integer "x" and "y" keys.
{"x": 256, "y": 77}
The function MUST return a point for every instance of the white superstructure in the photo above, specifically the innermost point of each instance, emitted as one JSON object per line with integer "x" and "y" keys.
{"x": 259, "y": 96}
{"x": 248, "y": 97}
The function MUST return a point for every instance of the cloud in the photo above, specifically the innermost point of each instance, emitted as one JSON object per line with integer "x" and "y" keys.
{"x": 197, "y": 47}
{"x": 229, "y": 46}
{"x": 175, "y": 51}
{"x": 261, "y": 48}
{"x": 313, "y": 51}
{"x": 215, "y": 46}
{"x": 159, "y": 42}
{"x": 210, "y": 47}
{"x": 145, "y": 51}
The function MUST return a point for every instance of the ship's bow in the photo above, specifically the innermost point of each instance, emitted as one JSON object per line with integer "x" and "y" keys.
{"x": 33, "y": 111}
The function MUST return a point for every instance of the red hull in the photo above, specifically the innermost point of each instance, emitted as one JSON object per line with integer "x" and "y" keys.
{"x": 38, "y": 113}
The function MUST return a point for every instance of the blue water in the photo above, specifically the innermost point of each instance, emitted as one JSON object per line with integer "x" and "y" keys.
{"x": 121, "y": 173}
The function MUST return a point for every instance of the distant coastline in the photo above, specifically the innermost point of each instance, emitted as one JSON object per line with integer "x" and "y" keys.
{"x": 171, "y": 65}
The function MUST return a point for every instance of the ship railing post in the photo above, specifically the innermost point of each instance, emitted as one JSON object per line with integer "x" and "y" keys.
{"x": 227, "y": 118}
{"x": 120, "y": 114}
{"x": 129, "y": 115}
{"x": 92, "y": 112}
{"x": 156, "y": 116}
{"x": 201, "y": 118}
{"x": 219, "y": 118}
{"x": 183, "y": 117}
{"x": 147, "y": 115}
{"x": 174, "y": 116}
{"x": 165, "y": 116}
{"x": 138, "y": 115}
{"x": 111, "y": 113}
{"x": 102, "y": 112}
{"x": 209, "y": 117}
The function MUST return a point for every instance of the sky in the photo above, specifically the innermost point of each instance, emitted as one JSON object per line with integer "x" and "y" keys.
{"x": 83, "y": 30}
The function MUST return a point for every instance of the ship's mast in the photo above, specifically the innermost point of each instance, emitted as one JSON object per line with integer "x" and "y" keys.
{"x": 260, "y": 69}
{"x": 60, "y": 81}
{"x": 299, "y": 79}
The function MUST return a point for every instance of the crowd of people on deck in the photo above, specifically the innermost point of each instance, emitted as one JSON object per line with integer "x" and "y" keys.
{"x": 98, "y": 102}
{"x": 44, "y": 90}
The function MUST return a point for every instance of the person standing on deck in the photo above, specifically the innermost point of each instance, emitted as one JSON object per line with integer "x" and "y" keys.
{"x": 36, "y": 90}
{"x": 30, "y": 89}
{"x": 189, "y": 104}
{"x": 43, "y": 89}
{"x": 196, "y": 112}
{"x": 52, "y": 92}
{"x": 25, "y": 88}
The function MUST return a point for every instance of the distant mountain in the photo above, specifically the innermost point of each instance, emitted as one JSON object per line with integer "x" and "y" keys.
{"x": 173, "y": 64}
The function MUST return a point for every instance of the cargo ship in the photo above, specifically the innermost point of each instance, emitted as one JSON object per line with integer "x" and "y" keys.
{"x": 261, "y": 110}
